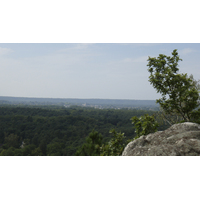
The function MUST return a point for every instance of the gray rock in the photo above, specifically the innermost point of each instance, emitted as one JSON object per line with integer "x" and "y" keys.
{"x": 179, "y": 140}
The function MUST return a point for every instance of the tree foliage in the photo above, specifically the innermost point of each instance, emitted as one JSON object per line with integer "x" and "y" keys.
{"x": 59, "y": 131}
{"x": 179, "y": 92}
{"x": 144, "y": 125}
{"x": 115, "y": 146}
{"x": 92, "y": 145}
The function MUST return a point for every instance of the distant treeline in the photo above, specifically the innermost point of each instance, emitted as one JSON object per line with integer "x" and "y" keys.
{"x": 114, "y": 103}
{"x": 55, "y": 130}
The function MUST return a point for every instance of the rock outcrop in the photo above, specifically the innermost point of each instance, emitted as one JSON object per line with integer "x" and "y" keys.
{"x": 179, "y": 140}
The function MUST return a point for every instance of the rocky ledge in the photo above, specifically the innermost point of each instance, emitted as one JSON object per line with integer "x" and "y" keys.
{"x": 179, "y": 140}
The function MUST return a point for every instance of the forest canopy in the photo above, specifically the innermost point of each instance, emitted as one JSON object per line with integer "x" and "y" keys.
{"x": 51, "y": 130}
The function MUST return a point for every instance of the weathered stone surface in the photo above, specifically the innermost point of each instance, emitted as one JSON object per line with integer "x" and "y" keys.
{"x": 178, "y": 140}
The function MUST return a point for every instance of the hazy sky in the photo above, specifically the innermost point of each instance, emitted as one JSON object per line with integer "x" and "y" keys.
{"x": 94, "y": 70}
{"x": 116, "y": 71}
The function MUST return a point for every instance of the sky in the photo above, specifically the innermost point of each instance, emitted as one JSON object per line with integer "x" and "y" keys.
{"x": 95, "y": 49}
{"x": 87, "y": 70}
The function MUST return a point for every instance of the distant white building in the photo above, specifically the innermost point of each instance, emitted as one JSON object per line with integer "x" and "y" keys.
{"x": 22, "y": 145}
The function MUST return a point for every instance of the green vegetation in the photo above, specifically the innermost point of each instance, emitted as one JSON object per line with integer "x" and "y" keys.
{"x": 180, "y": 95}
{"x": 92, "y": 145}
{"x": 144, "y": 125}
{"x": 60, "y": 131}
{"x": 115, "y": 146}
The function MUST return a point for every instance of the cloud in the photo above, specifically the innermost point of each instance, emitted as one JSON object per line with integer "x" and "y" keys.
{"x": 141, "y": 59}
{"x": 126, "y": 60}
{"x": 5, "y": 51}
{"x": 147, "y": 44}
{"x": 134, "y": 60}
{"x": 76, "y": 47}
{"x": 140, "y": 44}
{"x": 82, "y": 45}
{"x": 186, "y": 51}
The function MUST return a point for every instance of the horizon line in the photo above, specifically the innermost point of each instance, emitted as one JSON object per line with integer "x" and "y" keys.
{"x": 80, "y": 98}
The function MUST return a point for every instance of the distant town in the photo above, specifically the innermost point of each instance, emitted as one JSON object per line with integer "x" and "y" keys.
{"x": 92, "y": 103}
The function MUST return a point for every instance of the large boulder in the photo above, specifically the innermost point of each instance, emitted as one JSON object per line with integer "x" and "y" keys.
{"x": 179, "y": 140}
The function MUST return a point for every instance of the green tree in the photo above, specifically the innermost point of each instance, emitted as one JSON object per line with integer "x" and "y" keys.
{"x": 27, "y": 150}
{"x": 196, "y": 113}
{"x": 8, "y": 152}
{"x": 12, "y": 140}
{"x": 115, "y": 146}
{"x": 144, "y": 125}
{"x": 55, "y": 149}
{"x": 37, "y": 152}
{"x": 43, "y": 147}
{"x": 179, "y": 94}
{"x": 92, "y": 145}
